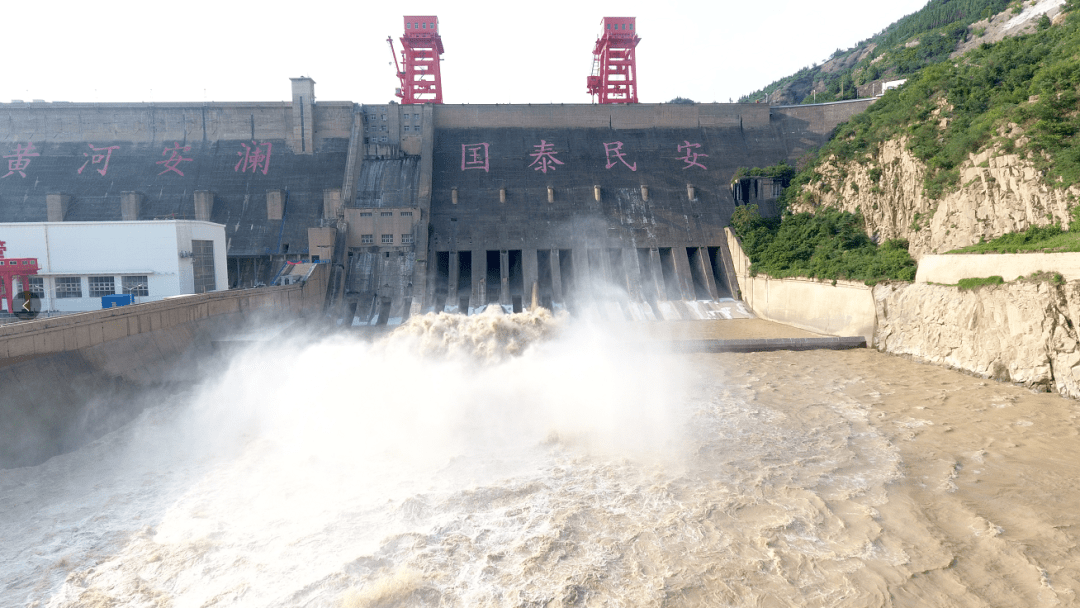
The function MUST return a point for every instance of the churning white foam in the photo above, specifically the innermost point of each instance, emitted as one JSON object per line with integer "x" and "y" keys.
{"x": 487, "y": 460}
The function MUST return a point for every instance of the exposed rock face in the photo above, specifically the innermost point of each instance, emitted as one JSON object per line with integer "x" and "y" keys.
{"x": 1022, "y": 332}
{"x": 999, "y": 193}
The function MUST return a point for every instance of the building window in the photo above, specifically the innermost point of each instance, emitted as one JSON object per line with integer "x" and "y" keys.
{"x": 383, "y": 139}
{"x": 387, "y": 214}
{"x": 365, "y": 214}
{"x": 102, "y": 286}
{"x": 367, "y": 239}
{"x": 406, "y": 214}
{"x": 384, "y": 118}
{"x": 384, "y": 127}
{"x": 387, "y": 239}
{"x": 406, "y": 128}
{"x": 37, "y": 286}
{"x": 135, "y": 285}
{"x": 406, "y": 239}
{"x": 68, "y": 287}
{"x": 202, "y": 265}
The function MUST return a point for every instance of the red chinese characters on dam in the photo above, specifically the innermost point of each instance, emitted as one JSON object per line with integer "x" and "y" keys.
{"x": 614, "y": 151}
{"x": 20, "y": 159}
{"x": 691, "y": 156}
{"x": 99, "y": 156}
{"x": 475, "y": 156}
{"x": 545, "y": 156}
{"x": 172, "y": 163}
{"x": 254, "y": 157}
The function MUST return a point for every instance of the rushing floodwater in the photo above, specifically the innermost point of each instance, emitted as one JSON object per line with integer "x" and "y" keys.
{"x": 497, "y": 461}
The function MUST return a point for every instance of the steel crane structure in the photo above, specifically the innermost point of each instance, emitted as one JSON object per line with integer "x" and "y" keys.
{"x": 421, "y": 52}
{"x": 614, "y": 73}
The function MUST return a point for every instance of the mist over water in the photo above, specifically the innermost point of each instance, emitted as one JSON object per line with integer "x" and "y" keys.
{"x": 502, "y": 460}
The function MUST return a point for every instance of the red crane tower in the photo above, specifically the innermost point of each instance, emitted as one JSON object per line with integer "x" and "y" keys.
{"x": 11, "y": 269}
{"x": 421, "y": 51}
{"x": 614, "y": 73}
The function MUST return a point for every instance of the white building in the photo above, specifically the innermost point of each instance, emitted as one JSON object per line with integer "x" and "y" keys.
{"x": 892, "y": 84}
{"x": 79, "y": 262}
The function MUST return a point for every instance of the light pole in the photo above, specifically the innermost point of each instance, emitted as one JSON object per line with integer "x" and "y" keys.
{"x": 135, "y": 289}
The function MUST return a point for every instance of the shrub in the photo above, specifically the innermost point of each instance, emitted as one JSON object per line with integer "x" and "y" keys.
{"x": 828, "y": 245}
{"x": 967, "y": 284}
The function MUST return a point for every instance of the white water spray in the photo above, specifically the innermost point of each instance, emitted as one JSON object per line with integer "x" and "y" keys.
{"x": 462, "y": 461}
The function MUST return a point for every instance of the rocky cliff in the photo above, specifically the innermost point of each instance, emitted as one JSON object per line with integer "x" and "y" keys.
{"x": 1024, "y": 332}
{"x": 999, "y": 193}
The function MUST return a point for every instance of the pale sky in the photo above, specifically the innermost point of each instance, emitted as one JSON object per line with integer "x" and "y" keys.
{"x": 496, "y": 52}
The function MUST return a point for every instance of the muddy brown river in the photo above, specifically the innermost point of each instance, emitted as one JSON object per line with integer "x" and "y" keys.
{"x": 519, "y": 462}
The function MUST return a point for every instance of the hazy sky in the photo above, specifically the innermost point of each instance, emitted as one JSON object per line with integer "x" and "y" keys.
{"x": 496, "y": 52}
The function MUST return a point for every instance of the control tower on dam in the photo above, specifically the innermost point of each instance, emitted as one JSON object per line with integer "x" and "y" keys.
{"x": 424, "y": 207}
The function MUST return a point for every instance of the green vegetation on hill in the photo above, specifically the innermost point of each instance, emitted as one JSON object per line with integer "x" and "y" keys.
{"x": 923, "y": 38}
{"x": 950, "y": 110}
{"x": 781, "y": 171}
{"x": 828, "y": 245}
{"x": 976, "y": 282}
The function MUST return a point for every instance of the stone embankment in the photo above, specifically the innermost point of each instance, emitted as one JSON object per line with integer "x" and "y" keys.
{"x": 1023, "y": 332}
{"x": 1000, "y": 193}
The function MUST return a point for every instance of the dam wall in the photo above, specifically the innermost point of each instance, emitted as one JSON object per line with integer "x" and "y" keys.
{"x": 267, "y": 171}
{"x": 57, "y": 375}
{"x": 424, "y": 207}
{"x": 580, "y": 203}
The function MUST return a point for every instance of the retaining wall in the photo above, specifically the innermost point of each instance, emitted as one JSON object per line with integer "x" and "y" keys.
{"x": 949, "y": 269}
{"x": 68, "y": 380}
{"x": 844, "y": 309}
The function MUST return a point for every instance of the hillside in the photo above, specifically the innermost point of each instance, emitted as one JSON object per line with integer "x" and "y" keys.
{"x": 966, "y": 151}
{"x": 931, "y": 35}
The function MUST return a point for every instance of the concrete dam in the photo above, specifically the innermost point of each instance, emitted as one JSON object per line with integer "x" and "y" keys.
{"x": 618, "y": 209}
